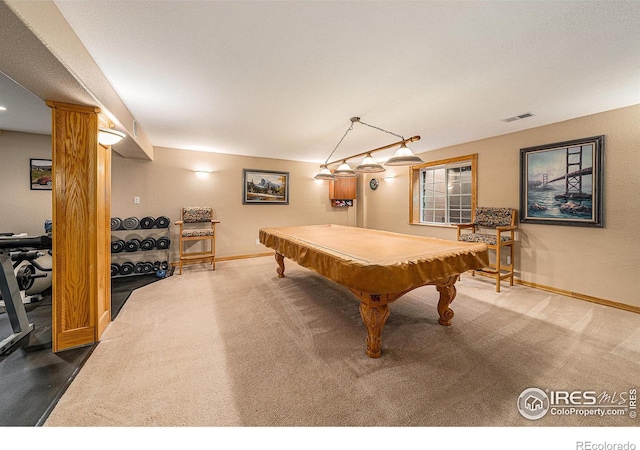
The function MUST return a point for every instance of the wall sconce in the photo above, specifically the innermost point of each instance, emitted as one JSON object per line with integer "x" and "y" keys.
{"x": 403, "y": 157}
{"x": 202, "y": 173}
{"x": 109, "y": 136}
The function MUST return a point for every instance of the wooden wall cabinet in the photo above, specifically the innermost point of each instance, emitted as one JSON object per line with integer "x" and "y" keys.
{"x": 342, "y": 188}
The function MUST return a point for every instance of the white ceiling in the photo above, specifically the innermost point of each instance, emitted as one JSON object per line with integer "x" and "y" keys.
{"x": 24, "y": 111}
{"x": 282, "y": 79}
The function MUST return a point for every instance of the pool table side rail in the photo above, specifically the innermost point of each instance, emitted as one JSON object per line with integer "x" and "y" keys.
{"x": 390, "y": 276}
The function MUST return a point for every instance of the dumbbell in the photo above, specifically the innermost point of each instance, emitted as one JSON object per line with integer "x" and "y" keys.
{"x": 163, "y": 243}
{"x": 117, "y": 246}
{"x": 147, "y": 267}
{"x": 130, "y": 223}
{"x": 116, "y": 223}
{"x": 126, "y": 268}
{"x": 139, "y": 267}
{"x": 132, "y": 245}
{"x": 115, "y": 269}
{"x": 148, "y": 243}
{"x": 147, "y": 222}
{"x": 162, "y": 222}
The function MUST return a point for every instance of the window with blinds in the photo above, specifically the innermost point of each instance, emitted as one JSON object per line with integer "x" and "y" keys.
{"x": 446, "y": 191}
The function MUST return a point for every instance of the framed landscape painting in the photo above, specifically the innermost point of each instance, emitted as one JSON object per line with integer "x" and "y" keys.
{"x": 561, "y": 183}
{"x": 40, "y": 174}
{"x": 265, "y": 187}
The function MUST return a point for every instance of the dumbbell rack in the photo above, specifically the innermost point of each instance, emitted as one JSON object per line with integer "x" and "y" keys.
{"x": 143, "y": 260}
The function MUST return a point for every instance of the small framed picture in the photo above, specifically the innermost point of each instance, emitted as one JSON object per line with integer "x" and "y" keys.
{"x": 41, "y": 174}
{"x": 561, "y": 183}
{"x": 265, "y": 187}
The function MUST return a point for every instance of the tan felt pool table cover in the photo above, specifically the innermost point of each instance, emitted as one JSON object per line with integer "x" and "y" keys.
{"x": 374, "y": 261}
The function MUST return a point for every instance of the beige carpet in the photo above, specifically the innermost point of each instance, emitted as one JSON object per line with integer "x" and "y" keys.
{"x": 240, "y": 347}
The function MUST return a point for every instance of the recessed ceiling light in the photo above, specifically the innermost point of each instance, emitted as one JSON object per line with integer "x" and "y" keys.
{"x": 2, "y": 108}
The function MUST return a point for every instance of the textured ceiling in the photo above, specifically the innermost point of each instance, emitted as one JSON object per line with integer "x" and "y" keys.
{"x": 24, "y": 111}
{"x": 281, "y": 79}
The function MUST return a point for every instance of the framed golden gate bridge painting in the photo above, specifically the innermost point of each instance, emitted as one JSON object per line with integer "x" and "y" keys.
{"x": 561, "y": 183}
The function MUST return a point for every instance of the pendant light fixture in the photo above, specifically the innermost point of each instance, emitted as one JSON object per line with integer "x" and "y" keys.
{"x": 369, "y": 165}
{"x": 344, "y": 170}
{"x": 324, "y": 174}
{"x": 403, "y": 157}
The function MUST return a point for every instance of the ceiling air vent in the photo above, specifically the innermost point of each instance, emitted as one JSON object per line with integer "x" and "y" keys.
{"x": 518, "y": 117}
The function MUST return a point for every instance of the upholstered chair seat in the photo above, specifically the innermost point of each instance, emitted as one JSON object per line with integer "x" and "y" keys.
{"x": 197, "y": 232}
{"x": 489, "y": 239}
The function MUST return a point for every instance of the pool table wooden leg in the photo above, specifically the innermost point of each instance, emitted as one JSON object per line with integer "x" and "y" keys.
{"x": 280, "y": 261}
{"x": 447, "y": 290}
{"x": 374, "y": 316}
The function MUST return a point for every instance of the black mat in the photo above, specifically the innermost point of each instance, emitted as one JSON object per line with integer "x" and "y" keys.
{"x": 32, "y": 377}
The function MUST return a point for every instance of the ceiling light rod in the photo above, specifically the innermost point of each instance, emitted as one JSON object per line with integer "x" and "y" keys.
{"x": 386, "y": 147}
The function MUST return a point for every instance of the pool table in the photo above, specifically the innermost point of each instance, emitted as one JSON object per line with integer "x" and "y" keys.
{"x": 378, "y": 267}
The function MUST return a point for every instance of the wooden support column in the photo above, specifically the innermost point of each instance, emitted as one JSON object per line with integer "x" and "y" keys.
{"x": 81, "y": 227}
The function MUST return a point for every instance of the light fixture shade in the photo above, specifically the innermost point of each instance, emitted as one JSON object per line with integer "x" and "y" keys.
{"x": 324, "y": 174}
{"x": 369, "y": 165}
{"x": 108, "y": 136}
{"x": 344, "y": 170}
{"x": 403, "y": 157}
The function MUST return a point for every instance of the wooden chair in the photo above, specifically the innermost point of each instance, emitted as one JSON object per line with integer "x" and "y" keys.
{"x": 197, "y": 224}
{"x": 502, "y": 223}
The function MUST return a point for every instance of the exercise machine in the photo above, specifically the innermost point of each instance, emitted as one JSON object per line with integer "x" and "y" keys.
{"x": 33, "y": 270}
{"x": 11, "y": 283}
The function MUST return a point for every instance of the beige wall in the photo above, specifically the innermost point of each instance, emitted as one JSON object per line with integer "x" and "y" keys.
{"x": 169, "y": 182}
{"x": 165, "y": 185}
{"x": 597, "y": 262}
{"x": 21, "y": 209}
